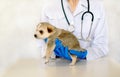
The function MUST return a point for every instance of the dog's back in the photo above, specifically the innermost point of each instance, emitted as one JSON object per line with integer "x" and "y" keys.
{"x": 68, "y": 39}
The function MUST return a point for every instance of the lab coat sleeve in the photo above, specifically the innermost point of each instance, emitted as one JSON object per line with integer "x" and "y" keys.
{"x": 99, "y": 45}
{"x": 43, "y": 17}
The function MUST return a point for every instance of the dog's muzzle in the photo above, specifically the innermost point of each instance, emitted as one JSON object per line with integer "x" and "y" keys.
{"x": 35, "y": 35}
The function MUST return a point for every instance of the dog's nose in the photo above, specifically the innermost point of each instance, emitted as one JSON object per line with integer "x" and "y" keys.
{"x": 35, "y": 35}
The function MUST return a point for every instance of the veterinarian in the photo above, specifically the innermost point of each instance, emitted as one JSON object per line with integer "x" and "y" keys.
{"x": 85, "y": 19}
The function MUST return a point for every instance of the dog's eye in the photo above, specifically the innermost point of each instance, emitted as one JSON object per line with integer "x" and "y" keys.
{"x": 41, "y": 32}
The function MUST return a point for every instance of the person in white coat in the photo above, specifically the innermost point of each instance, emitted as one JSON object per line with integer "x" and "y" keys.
{"x": 97, "y": 47}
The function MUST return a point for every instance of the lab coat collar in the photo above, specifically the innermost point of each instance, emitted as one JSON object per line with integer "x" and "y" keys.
{"x": 81, "y": 7}
{"x": 83, "y": 3}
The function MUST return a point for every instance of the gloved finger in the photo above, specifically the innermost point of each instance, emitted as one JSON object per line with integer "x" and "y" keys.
{"x": 80, "y": 54}
{"x": 74, "y": 52}
{"x": 57, "y": 52}
{"x": 62, "y": 50}
{"x": 57, "y": 41}
{"x": 66, "y": 51}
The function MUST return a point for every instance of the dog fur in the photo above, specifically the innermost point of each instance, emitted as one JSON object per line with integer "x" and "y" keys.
{"x": 46, "y": 30}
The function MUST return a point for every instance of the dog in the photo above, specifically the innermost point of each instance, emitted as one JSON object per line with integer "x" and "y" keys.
{"x": 46, "y": 30}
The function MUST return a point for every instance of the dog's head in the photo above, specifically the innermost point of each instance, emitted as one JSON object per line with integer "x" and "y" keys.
{"x": 44, "y": 30}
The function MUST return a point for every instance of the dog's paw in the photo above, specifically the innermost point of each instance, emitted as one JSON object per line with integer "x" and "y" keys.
{"x": 72, "y": 64}
{"x": 46, "y": 61}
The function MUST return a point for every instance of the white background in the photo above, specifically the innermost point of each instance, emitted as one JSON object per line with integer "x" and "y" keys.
{"x": 18, "y": 19}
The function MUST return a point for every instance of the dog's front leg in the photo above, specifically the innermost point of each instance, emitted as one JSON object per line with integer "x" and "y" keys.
{"x": 50, "y": 49}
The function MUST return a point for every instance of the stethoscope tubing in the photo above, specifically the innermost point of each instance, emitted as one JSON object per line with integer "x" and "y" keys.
{"x": 82, "y": 18}
{"x": 64, "y": 12}
{"x": 89, "y": 12}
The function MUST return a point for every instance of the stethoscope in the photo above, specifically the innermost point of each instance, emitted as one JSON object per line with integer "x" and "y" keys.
{"x": 71, "y": 27}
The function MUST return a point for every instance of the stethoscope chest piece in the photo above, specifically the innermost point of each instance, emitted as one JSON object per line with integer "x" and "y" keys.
{"x": 71, "y": 28}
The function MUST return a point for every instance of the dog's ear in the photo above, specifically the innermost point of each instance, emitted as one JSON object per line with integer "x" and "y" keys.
{"x": 49, "y": 29}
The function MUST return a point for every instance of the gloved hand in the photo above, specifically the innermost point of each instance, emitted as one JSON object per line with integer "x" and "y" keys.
{"x": 79, "y": 54}
{"x": 61, "y": 51}
{"x": 64, "y": 52}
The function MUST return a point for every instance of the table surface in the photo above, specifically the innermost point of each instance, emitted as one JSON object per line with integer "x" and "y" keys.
{"x": 104, "y": 67}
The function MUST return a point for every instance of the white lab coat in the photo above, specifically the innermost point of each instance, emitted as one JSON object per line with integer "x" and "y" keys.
{"x": 96, "y": 48}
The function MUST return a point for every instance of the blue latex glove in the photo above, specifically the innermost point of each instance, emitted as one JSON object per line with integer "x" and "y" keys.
{"x": 63, "y": 51}
{"x": 79, "y": 54}
{"x": 60, "y": 50}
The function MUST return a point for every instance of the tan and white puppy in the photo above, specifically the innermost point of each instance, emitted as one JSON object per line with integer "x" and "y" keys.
{"x": 46, "y": 30}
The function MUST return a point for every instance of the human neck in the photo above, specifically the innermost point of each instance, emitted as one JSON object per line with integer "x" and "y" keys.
{"x": 73, "y": 4}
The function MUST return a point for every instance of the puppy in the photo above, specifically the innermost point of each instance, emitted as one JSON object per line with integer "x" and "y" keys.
{"x": 46, "y": 30}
